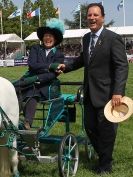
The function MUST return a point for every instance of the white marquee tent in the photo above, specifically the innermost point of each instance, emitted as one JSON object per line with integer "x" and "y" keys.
{"x": 32, "y": 36}
{"x": 11, "y": 41}
{"x": 10, "y": 38}
{"x": 126, "y": 31}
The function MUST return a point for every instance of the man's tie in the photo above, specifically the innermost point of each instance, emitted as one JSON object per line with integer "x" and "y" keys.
{"x": 92, "y": 45}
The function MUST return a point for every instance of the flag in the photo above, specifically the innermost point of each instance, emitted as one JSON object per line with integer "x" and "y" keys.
{"x": 57, "y": 11}
{"x": 78, "y": 8}
{"x": 101, "y": 3}
{"x": 120, "y": 5}
{"x": 15, "y": 14}
{"x": 34, "y": 13}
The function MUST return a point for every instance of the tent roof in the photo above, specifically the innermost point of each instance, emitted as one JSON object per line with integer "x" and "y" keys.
{"x": 75, "y": 33}
{"x": 123, "y": 30}
{"x": 10, "y": 38}
{"x": 78, "y": 33}
{"x": 32, "y": 36}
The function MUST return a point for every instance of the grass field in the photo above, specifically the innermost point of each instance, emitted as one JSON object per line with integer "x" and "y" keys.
{"x": 123, "y": 152}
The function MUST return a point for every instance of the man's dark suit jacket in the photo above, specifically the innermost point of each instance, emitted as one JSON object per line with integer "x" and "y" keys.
{"x": 105, "y": 73}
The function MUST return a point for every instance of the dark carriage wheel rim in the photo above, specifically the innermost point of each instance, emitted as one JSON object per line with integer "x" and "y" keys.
{"x": 89, "y": 150}
{"x": 68, "y": 156}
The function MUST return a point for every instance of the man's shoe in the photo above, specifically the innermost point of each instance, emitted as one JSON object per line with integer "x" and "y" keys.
{"x": 104, "y": 169}
{"x": 27, "y": 125}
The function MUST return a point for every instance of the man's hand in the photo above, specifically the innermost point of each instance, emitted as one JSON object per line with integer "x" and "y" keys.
{"x": 60, "y": 68}
{"x": 116, "y": 100}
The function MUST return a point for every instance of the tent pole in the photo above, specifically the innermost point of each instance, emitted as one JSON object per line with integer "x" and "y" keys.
{"x": 5, "y": 50}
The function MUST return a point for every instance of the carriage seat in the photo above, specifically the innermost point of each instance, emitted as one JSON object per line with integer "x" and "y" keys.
{"x": 69, "y": 99}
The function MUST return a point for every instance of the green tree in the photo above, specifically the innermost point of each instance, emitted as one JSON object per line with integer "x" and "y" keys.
{"x": 110, "y": 23}
{"x": 75, "y": 24}
{"x": 47, "y": 11}
{"x": 9, "y": 25}
{"x": 29, "y": 25}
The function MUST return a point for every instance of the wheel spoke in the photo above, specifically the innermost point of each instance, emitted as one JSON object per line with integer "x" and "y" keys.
{"x": 63, "y": 164}
{"x": 73, "y": 147}
{"x": 68, "y": 169}
{"x": 70, "y": 143}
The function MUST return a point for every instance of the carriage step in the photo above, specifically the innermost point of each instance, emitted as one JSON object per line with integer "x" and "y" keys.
{"x": 43, "y": 159}
{"x": 30, "y": 153}
{"x": 28, "y": 132}
{"x": 29, "y": 136}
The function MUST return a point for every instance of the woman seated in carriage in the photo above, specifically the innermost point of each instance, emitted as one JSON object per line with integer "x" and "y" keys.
{"x": 42, "y": 62}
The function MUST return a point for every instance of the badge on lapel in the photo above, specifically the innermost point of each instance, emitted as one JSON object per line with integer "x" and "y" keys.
{"x": 99, "y": 42}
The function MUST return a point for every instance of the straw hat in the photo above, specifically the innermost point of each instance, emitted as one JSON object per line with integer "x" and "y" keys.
{"x": 54, "y": 26}
{"x": 119, "y": 113}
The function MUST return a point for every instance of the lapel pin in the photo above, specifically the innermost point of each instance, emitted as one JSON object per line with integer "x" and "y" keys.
{"x": 100, "y": 42}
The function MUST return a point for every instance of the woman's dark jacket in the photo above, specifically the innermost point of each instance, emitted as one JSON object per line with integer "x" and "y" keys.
{"x": 39, "y": 64}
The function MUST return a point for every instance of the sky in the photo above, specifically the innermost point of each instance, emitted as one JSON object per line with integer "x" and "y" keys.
{"x": 111, "y": 13}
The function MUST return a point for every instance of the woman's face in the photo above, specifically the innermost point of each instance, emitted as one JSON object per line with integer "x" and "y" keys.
{"x": 48, "y": 40}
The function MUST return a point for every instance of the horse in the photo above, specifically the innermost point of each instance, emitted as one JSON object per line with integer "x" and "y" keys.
{"x": 9, "y": 104}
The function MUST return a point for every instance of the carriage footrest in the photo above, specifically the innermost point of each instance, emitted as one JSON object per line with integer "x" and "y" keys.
{"x": 43, "y": 159}
{"x": 29, "y": 136}
{"x": 51, "y": 139}
{"x": 30, "y": 153}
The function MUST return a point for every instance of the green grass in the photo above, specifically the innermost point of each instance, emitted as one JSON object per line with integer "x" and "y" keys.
{"x": 123, "y": 152}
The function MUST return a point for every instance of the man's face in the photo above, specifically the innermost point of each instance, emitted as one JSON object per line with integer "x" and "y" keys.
{"x": 95, "y": 18}
{"x": 48, "y": 40}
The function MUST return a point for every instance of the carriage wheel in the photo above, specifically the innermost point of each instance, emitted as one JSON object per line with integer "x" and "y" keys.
{"x": 68, "y": 156}
{"x": 89, "y": 150}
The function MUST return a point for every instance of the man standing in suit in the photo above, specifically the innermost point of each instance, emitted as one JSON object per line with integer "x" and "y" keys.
{"x": 105, "y": 75}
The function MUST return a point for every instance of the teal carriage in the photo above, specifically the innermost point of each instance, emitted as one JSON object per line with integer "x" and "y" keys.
{"x": 60, "y": 107}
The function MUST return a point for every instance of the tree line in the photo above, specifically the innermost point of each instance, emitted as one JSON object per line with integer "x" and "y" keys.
{"x": 47, "y": 11}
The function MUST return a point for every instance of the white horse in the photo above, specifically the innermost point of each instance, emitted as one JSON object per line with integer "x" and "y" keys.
{"x": 9, "y": 104}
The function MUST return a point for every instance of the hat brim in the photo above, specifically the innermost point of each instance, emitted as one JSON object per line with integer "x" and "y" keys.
{"x": 57, "y": 34}
{"x": 108, "y": 111}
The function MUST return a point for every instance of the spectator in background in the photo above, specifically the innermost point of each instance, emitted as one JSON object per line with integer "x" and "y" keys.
{"x": 128, "y": 45}
{"x": 131, "y": 44}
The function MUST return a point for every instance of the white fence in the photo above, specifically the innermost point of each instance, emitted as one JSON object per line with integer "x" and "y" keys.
{"x": 14, "y": 62}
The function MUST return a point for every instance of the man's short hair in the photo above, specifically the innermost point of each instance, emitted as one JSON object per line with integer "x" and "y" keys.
{"x": 98, "y": 5}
